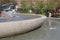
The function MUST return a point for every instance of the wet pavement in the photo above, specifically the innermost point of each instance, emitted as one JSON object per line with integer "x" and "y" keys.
{"x": 50, "y": 30}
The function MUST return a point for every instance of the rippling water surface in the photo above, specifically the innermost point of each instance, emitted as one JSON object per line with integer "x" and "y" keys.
{"x": 17, "y": 17}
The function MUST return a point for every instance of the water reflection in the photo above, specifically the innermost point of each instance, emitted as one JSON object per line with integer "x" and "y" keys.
{"x": 50, "y": 24}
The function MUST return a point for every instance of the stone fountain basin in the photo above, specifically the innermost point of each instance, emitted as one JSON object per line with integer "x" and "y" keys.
{"x": 20, "y": 23}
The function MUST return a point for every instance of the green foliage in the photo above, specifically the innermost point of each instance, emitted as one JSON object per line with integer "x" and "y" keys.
{"x": 39, "y": 7}
{"x": 24, "y": 7}
{"x": 25, "y": 10}
{"x": 58, "y": 14}
{"x": 51, "y": 5}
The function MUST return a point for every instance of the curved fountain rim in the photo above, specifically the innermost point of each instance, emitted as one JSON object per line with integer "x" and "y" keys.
{"x": 41, "y": 16}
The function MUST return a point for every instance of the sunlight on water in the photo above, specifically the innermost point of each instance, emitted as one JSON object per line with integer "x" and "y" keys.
{"x": 52, "y": 28}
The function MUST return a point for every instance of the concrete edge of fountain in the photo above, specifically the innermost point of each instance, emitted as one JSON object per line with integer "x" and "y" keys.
{"x": 11, "y": 28}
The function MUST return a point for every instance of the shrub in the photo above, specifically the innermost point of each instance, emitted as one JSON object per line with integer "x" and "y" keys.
{"x": 24, "y": 7}
{"x": 39, "y": 7}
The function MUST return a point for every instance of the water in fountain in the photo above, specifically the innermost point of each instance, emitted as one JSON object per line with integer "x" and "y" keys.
{"x": 7, "y": 14}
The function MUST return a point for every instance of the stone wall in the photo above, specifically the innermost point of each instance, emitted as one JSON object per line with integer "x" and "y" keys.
{"x": 7, "y": 1}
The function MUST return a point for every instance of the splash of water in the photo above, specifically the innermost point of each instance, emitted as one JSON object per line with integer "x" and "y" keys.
{"x": 8, "y": 14}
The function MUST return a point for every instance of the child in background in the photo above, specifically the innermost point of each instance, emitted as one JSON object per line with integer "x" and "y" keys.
{"x": 49, "y": 14}
{"x": 54, "y": 14}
